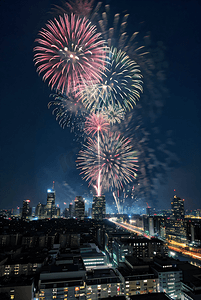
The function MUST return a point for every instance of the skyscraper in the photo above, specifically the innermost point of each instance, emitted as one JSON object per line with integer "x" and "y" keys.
{"x": 25, "y": 209}
{"x": 40, "y": 210}
{"x": 71, "y": 210}
{"x": 177, "y": 208}
{"x": 98, "y": 208}
{"x": 177, "y": 229}
{"x": 79, "y": 207}
{"x": 50, "y": 206}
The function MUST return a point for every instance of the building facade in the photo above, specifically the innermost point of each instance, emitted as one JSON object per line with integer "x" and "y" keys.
{"x": 50, "y": 206}
{"x": 98, "y": 207}
{"x": 79, "y": 207}
{"x": 177, "y": 208}
{"x": 26, "y": 209}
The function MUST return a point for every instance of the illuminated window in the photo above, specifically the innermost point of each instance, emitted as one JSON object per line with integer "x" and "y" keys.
{"x": 77, "y": 288}
{"x": 12, "y": 296}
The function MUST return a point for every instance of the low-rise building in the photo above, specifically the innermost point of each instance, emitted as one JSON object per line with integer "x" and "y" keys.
{"x": 191, "y": 282}
{"x": 92, "y": 256}
{"x": 138, "y": 277}
{"x": 103, "y": 283}
{"x": 169, "y": 277}
{"x": 64, "y": 279}
{"x": 17, "y": 288}
{"x": 139, "y": 247}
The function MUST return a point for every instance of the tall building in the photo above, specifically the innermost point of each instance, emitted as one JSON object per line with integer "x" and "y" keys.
{"x": 66, "y": 213}
{"x": 26, "y": 209}
{"x": 79, "y": 207}
{"x": 98, "y": 207}
{"x": 177, "y": 208}
{"x": 50, "y": 206}
{"x": 71, "y": 210}
{"x": 40, "y": 210}
{"x": 175, "y": 226}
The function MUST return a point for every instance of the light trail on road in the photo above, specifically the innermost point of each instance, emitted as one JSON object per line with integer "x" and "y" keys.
{"x": 178, "y": 247}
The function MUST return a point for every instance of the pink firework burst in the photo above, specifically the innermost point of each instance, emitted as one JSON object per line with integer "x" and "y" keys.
{"x": 111, "y": 162}
{"x": 69, "y": 52}
{"x": 96, "y": 123}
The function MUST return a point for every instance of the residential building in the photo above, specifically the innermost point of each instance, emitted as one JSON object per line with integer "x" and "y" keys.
{"x": 138, "y": 277}
{"x": 65, "y": 279}
{"x": 169, "y": 277}
{"x": 103, "y": 283}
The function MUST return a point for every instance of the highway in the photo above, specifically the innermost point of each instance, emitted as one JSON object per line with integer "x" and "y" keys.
{"x": 172, "y": 245}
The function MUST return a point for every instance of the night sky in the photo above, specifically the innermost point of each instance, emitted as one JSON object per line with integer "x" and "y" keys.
{"x": 35, "y": 150}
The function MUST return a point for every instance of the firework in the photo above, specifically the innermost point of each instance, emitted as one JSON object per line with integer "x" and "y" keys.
{"x": 69, "y": 52}
{"x": 96, "y": 123}
{"x": 140, "y": 48}
{"x": 155, "y": 158}
{"x": 77, "y": 7}
{"x": 68, "y": 112}
{"x": 113, "y": 113}
{"x": 116, "y": 163}
{"x": 121, "y": 84}
{"x": 114, "y": 32}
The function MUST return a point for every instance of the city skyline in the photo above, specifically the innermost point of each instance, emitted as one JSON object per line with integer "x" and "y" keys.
{"x": 35, "y": 150}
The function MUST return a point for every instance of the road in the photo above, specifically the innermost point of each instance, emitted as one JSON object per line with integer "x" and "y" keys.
{"x": 172, "y": 245}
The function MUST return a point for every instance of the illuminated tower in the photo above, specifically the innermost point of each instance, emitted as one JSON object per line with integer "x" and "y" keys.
{"x": 98, "y": 208}
{"x": 178, "y": 228}
{"x": 50, "y": 206}
{"x": 25, "y": 209}
{"x": 79, "y": 207}
{"x": 177, "y": 208}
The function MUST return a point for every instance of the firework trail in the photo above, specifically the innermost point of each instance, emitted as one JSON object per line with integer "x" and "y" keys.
{"x": 116, "y": 158}
{"x": 117, "y": 202}
{"x": 69, "y": 52}
{"x": 96, "y": 124}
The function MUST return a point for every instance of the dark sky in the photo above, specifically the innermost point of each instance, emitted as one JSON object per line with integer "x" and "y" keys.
{"x": 35, "y": 150}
